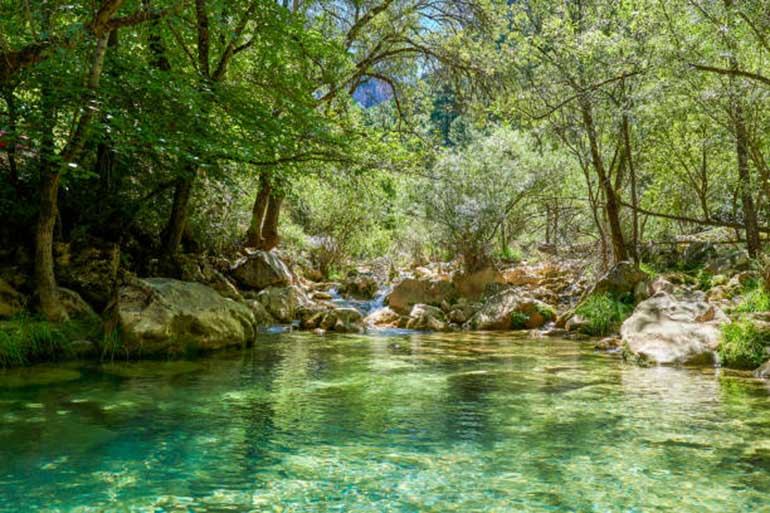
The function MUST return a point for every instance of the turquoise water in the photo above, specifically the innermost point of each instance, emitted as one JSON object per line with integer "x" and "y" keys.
{"x": 424, "y": 423}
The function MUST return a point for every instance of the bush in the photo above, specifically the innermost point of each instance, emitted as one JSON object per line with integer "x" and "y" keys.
{"x": 27, "y": 339}
{"x": 546, "y": 311}
{"x": 519, "y": 320}
{"x": 756, "y": 300}
{"x": 604, "y": 313}
{"x": 743, "y": 345}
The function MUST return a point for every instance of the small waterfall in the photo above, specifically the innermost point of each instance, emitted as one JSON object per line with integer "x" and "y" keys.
{"x": 365, "y": 306}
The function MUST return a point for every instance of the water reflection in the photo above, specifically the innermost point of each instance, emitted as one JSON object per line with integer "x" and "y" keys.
{"x": 445, "y": 422}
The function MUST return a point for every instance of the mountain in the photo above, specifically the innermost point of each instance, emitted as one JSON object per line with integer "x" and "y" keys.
{"x": 372, "y": 93}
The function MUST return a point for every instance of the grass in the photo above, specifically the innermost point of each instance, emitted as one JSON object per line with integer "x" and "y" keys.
{"x": 743, "y": 345}
{"x": 756, "y": 299}
{"x": 27, "y": 339}
{"x": 604, "y": 313}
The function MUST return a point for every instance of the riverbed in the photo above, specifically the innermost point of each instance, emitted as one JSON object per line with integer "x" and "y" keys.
{"x": 459, "y": 422}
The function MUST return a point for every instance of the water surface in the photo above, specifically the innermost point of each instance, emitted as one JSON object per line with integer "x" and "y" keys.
{"x": 423, "y": 423}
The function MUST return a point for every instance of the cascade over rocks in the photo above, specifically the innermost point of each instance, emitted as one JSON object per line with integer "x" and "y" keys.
{"x": 160, "y": 316}
{"x": 260, "y": 270}
{"x": 359, "y": 286}
{"x": 673, "y": 330}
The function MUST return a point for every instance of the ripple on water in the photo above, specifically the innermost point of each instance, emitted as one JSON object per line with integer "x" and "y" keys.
{"x": 419, "y": 423}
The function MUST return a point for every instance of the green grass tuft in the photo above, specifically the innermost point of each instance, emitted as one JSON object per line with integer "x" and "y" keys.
{"x": 756, "y": 300}
{"x": 743, "y": 345}
{"x": 546, "y": 311}
{"x": 604, "y": 313}
{"x": 27, "y": 339}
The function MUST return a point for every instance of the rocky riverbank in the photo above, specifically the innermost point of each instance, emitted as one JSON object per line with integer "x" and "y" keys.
{"x": 211, "y": 303}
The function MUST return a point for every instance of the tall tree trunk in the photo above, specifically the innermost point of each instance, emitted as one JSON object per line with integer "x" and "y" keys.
{"x": 270, "y": 225}
{"x": 611, "y": 201}
{"x": 179, "y": 211}
{"x": 634, "y": 199}
{"x": 47, "y": 290}
{"x": 254, "y": 234}
{"x": 45, "y": 279}
{"x": 744, "y": 183}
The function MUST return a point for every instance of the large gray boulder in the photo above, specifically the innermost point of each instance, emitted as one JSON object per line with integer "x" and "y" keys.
{"x": 260, "y": 270}
{"x": 283, "y": 302}
{"x": 427, "y": 318}
{"x": 668, "y": 330}
{"x": 412, "y": 291}
{"x": 510, "y": 310}
{"x": 163, "y": 316}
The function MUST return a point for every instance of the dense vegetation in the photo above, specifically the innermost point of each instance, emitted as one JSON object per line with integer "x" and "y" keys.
{"x": 341, "y": 130}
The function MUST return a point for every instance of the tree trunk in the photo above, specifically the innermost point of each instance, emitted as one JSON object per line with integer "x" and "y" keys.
{"x": 44, "y": 266}
{"x": 178, "y": 218}
{"x": 270, "y": 225}
{"x": 254, "y": 234}
{"x": 611, "y": 200}
{"x": 634, "y": 199}
{"x": 744, "y": 184}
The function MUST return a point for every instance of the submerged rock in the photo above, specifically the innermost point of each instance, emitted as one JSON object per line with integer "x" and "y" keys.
{"x": 35, "y": 376}
{"x": 165, "y": 316}
{"x": 260, "y": 270}
{"x": 669, "y": 330}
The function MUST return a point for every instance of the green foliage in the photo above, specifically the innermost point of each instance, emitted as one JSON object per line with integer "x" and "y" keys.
{"x": 25, "y": 339}
{"x": 756, "y": 300}
{"x": 743, "y": 345}
{"x": 546, "y": 311}
{"x": 649, "y": 270}
{"x": 519, "y": 320}
{"x": 509, "y": 254}
{"x": 604, "y": 313}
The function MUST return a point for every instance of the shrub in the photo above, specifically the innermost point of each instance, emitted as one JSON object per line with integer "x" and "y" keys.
{"x": 519, "y": 320}
{"x": 603, "y": 313}
{"x": 756, "y": 300}
{"x": 546, "y": 311}
{"x": 743, "y": 345}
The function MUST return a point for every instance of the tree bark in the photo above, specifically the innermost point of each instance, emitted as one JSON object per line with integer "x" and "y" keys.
{"x": 270, "y": 226}
{"x": 744, "y": 184}
{"x": 179, "y": 212}
{"x": 634, "y": 199}
{"x": 45, "y": 279}
{"x": 254, "y": 234}
{"x": 612, "y": 206}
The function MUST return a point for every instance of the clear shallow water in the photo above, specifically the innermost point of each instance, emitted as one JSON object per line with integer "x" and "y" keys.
{"x": 426, "y": 423}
